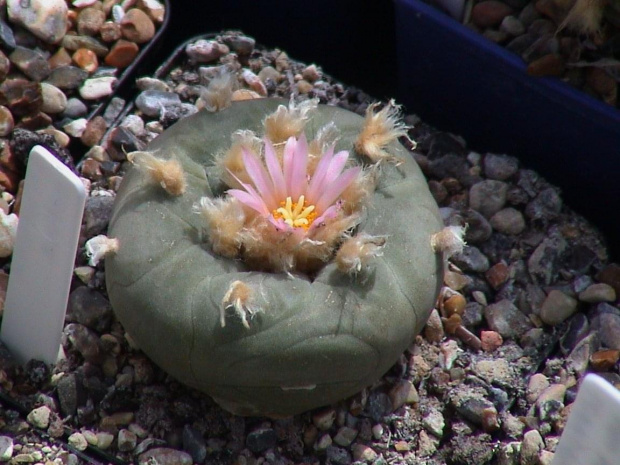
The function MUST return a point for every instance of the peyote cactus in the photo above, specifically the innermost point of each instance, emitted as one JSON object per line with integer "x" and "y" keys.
{"x": 275, "y": 305}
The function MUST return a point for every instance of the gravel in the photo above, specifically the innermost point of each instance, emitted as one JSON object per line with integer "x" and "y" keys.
{"x": 527, "y": 310}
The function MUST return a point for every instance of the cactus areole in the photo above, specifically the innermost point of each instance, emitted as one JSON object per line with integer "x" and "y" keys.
{"x": 258, "y": 339}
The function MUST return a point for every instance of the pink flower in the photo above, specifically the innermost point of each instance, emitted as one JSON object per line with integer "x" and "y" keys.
{"x": 286, "y": 194}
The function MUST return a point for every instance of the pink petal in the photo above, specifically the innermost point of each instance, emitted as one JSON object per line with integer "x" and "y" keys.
{"x": 275, "y": 171}
{"x": 287, "y": 161}
{"x": 297, "y": 182}
{"x": 279, "y": 224}
{"x": 336, "y": 166}
{"x": 334, "y": 189}
{"x": 319, "y": 174}
{"x": 331, "y": 212}
{"x": 259, "y": 177}
{"x": 252, "y": 201}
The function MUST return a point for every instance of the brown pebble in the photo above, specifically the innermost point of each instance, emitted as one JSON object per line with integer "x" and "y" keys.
{"x": 454, "y": 304}
{"x": 552, "y": 9}
{"x": 137, "y": 27}
{"x": 452, "y": 323}
{"x": 122, "y": 54}
{"x": 497, "y": 275}
{"x": 551, "y": 64}
{"x": 91, "y": 169}
{"x": 86, "y": 59}
{"x": 304, "y": 87}
{"x": 610, "y": 275}
{"x": 95, "y": 129}
{"x": 110, "y": 31}
{"x": 244, "y": 94}
{"x": 439, "y": 192}
{"x": 604, "y": 360}
{"x": 490, "y": 340}
{"x": 603, "y": 84}
{"x": 433, "y": 331}
{"x": 5, "y": 66}
{"x": 401, "y": 446}
{"x": 6, "y": 121}
{"x": 468, "y": 337}
{"x": 23, "y": 97}
{"x": 489, "y": 13}
{"x": 89, "y": 21}
{"x": 490, "y": 419}
{"x": 39, "y": 120}
{"x": 311, "y": 73}
{"x": 60, "y": 58}
{"x": 8, "y": 180}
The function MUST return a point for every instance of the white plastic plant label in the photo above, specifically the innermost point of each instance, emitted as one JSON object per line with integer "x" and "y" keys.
{"x": 592, "y": 435}
{"x": 43, "y": 258}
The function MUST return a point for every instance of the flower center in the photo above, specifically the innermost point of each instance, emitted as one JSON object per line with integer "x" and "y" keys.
{"x": 296, "y": 214}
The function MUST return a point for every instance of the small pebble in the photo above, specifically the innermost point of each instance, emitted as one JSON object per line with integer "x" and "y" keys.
{"x": 471, "y": 259}
{"x": 94, "y": 131}
{"x": 54, "y": 99}
{"x": 363, "y": 453}
{"x": 508, "y": 221}
{"x": 137, "y": 27}
{"x": 500, "y": 167}
{"x": 6, "y": 121}
{"x": 76, "y": 127}
{"x": 609, "y": 331}
{"x": 46, "y": 19}
{"x": 165, "y": 456}
{"x": 67, "y": 77}
{"x": 404, "y": 392}
{"x": 434, "y": 423}
{"x": 557, "y": 307}
{"x": 530, "y": 448}
{"x": 488, "y": 197}
{"x": 506, "y": 319}
{"x": 122, "y": 54}
{"x": 40, "y": 417}
{"x": 324, "y": 419}
{"x": 604, "y": 360}
{"x": 434, "y": 331}
{"x": 345, "y": 436}
{"x": 599, "y": 292}
{"x": 104, "y": 439}
{"x": 512, "y": 26}
{"x": 490, "y": 340}
{"x": 6, "y": 448}
{"x": 127, "y": 440}
{"x": 89, "y": 21}
{"x": 78, "y": 441}
{"x": 536, "y": 386}
{"x": 95, "y": 88}
{"x": 205, "y": 51}
{"x": 261, "y": 439}
{"x": 489, "y": 13}
{"x": 496, "y": 276}
{"x": 86, "y": 60}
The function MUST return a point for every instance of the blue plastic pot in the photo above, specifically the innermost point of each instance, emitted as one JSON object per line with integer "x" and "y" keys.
{"x": 459, "y": 81}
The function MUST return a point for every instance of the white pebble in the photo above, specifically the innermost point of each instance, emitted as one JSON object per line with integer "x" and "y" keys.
{"x": 8, "y": 231}
{"x": 76, "y": 127}
{"x": 95, "y": 88}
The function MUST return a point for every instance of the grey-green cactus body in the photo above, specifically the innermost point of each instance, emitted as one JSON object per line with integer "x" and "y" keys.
{"x": 312, "y": 341}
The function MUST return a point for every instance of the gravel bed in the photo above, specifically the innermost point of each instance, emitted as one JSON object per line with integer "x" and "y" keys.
{"x": 528, "y": 308}
{"x": 582, "y": 55}
{"x": 60, "y": 64}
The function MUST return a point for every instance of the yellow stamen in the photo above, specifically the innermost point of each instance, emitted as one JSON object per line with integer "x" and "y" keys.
{"x": 296, "y": 214}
